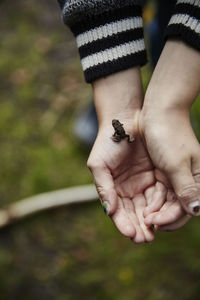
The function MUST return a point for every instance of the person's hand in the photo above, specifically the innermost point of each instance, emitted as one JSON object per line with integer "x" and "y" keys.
{"x": 165, "y": 123}
{"x": 122, "y": 172}
{"x": 118, "y": 175}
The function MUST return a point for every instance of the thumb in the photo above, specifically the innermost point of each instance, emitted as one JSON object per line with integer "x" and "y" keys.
{"x": 186, "y": 190}
{"x": 105, "y": 188}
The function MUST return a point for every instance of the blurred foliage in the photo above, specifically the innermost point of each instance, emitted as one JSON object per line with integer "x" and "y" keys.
{"x": 76, "y": 252}
{"x": 41, "y": 85}
{"x": 195, "y": 117}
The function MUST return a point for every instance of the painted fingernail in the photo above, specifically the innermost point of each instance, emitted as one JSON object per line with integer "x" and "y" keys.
{"x": 195, "y": 208}
{"x": 106, "y": 207}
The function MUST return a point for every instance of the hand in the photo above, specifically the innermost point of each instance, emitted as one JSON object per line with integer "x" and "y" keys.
{"x": 122, "y": 172}
{"x": 117, "y": 173}
{"x": 165, "y": 123}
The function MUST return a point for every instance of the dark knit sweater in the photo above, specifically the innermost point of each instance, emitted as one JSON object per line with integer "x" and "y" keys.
{"x": 109, "y": 33}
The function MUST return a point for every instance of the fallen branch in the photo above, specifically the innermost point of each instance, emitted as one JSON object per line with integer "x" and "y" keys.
{"x": 32, "y": 205}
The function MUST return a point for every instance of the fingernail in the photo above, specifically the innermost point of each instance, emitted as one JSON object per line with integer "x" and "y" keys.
{"x": 106, "y": 207}
{"x": 195, "y": 208}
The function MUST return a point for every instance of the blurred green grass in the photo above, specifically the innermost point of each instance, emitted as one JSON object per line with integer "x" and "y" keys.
{"x": 75, "y": 252}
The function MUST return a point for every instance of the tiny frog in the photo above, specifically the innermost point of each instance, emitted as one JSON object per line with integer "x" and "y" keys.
{"x": 119, "y": 133}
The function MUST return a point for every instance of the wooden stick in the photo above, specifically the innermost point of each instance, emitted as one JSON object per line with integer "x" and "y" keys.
{"x": 32, "y": 205}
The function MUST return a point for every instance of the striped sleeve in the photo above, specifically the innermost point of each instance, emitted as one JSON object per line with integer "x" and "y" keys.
{"x": 185, "y": 22}
{"x": 109, "y": 34}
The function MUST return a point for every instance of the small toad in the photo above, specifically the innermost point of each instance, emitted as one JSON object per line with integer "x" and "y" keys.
{"x": 119, "y": 133}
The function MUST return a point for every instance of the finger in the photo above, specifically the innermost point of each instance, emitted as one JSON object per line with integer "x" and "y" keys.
{"x": 166, "y": 216}
{"x": 196, "y": 166}
{"x": 170, "y": 198}
{"x": 186, "y": 190}
{"x": 161, "y": 177}
{"x": 175, "y": 225}
{"x": 196, "y": 160}
{"x": 129, "y": 206}
{"x": 197, "y": 178}
{"x": 139, "y": 235}
{"x": 148, "y": 193}
{"x": 140, "y": 203}
{"x": 122, "y": 220}
{"x": 105, "y": 188}
{"x": 158, "y": 199}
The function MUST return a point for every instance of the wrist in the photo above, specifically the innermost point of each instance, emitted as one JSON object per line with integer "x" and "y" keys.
{"x": 175, "y": 80}
{"x": 118, "y": 96}
{"x": 165, "y": 101}
{"x": 130, "y": 125}
{"x": 158, "y": 120}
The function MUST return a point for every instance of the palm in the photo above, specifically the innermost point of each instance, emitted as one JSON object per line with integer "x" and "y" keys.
{"x": 133, "y": 172}
{"x": 129, "y": 173}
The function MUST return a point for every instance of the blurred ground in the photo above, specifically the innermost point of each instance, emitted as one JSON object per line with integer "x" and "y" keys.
{"x": 76, "y": 252}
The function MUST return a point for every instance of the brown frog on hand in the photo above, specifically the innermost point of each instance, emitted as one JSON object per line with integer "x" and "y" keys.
{"x": 119, "y": 133}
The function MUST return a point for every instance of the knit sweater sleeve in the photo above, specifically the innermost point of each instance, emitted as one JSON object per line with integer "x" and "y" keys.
{"x": 185, "y": 22}
{"x": 109, "y": 34}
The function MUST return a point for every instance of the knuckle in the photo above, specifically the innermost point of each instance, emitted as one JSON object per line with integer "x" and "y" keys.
{"x": 92, "y": 164}
{"x": 189, "y": 192}
{"x": 102, "y": 193}
{"x": 89, "y": 164}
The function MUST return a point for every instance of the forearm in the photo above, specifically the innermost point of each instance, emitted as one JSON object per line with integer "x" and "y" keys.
{"x": 175, "y": 82}
{"x": 118, "y": 96}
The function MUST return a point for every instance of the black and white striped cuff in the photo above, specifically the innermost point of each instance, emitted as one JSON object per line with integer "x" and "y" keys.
{"x": 111, "y": 43}
{"x": 185, "y": 22}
